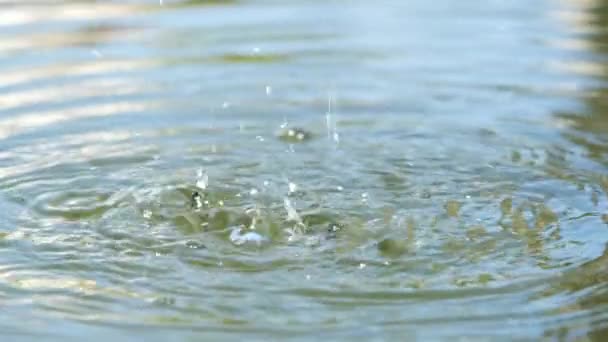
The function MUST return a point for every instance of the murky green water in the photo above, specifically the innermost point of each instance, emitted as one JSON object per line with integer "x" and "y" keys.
{"x": 421, "y": 171}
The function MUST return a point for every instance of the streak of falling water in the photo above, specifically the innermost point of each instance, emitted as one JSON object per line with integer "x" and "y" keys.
{"x": 331, "y": 120}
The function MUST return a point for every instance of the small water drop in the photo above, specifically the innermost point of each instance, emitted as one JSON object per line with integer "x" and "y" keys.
{"x": 293, "y": 187}
{"x": 362, "y": 266}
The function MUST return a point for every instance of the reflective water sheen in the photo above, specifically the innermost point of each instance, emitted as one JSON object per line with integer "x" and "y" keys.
{"x": 266, "y": 169}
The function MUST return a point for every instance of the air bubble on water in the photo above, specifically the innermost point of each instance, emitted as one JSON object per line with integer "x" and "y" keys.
{"x": 362, "y": 266}
{"x": 226, "y": 104}
{"x": 253, "y": 191}
{"x": 339, "y": 188}
{"x": 202, "y": 179}
{"x": 259, "y": 138}
{"x": 268, "y": 90}
{"x": 266, "y": 183}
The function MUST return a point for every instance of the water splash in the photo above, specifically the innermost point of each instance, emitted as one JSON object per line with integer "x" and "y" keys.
{"x": 239, "y": 238}
{"x": 202, "y": 179}
{"x": 292, "y": 214}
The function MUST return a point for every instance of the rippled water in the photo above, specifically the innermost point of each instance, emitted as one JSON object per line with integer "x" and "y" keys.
{"x": 306, "y": 169}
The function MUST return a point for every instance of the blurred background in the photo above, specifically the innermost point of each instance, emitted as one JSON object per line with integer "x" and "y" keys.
{"x": 266, "y": 169}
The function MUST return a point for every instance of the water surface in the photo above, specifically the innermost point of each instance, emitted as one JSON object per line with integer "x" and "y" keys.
{"x": 339, "y": 169}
